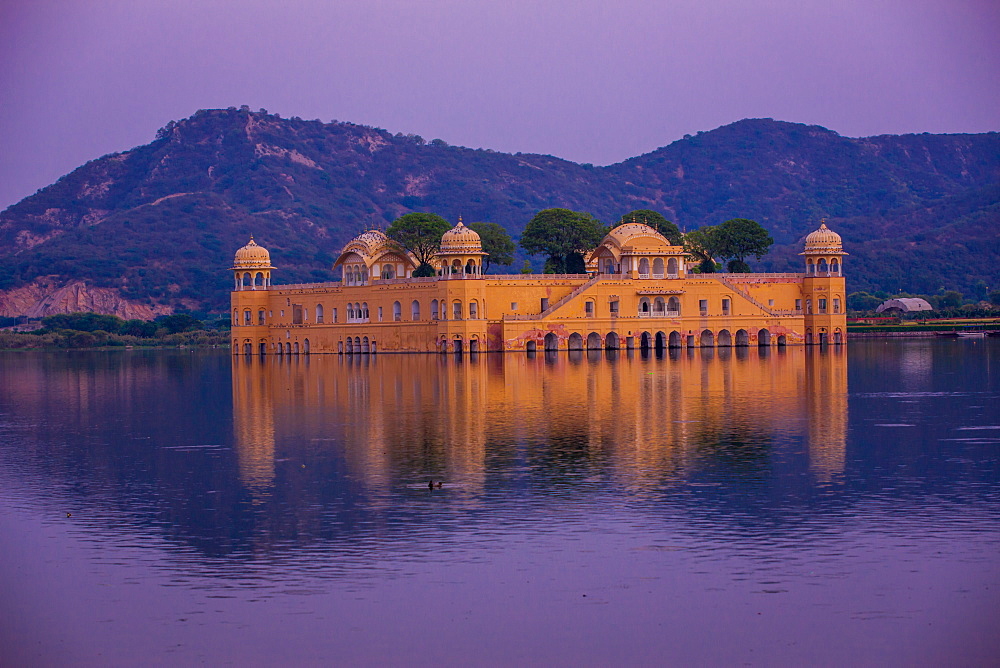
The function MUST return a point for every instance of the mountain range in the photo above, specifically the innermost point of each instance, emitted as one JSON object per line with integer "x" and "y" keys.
{"x": 153, "y": 230}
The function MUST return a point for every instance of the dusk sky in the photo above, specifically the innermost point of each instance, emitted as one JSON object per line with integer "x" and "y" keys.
{"x": 587, "y": 81}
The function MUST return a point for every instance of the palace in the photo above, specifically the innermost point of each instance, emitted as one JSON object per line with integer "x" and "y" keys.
{"x": 638, "y": 293}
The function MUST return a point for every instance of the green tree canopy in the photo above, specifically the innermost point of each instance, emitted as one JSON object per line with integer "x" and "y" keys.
{"x": 564, "y": 236}
{"x": 496, "y": 242}
{"x": 739, "y": 238}
{"x": 83, "y": 322}
{"x": 420, "y": 234}
{"x": 655, "y": 220}
{"x": 703, "y": 245}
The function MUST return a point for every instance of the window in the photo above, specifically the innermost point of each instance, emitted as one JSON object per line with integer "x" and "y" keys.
{"x": 822, "y": 305}
{"x": 246, "y": 317}
{"x": 319, "y": 314}
{"x": 473, "y": 310}
{"x": 415, "y": 310}
{"x": 798, "y": 304}
{"x": 703, "y": 306}
{"x": 588, "y": 307}
{"x": 725, "y": 307}
{"x": 397, "y": 311}
{"x": 770, "y": 302}
{"x": 836, "y": 305}
{"x": 809, "y": 306}
{"x": 282, "y": 312}
{"x": 434, "y": 309}
{"x": 334, "y": 316}
{"x": 260, "y": 317}
{"x": 456, "y": 310}
{"x": 380, "y": 314}
{"x": 270, "y": 314}
{"x": 614, "y": 307}
{"x": 513, "y": 306}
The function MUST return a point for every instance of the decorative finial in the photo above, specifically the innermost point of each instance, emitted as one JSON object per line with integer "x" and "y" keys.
{"x": 460, "y": 220}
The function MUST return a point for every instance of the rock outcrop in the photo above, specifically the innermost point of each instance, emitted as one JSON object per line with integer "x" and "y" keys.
{"x": 46, "y": 296}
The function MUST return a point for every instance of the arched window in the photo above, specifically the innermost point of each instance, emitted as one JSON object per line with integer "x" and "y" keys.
{"x": 388, "y": 271}
{"x": 658, "y": 267}
{"x": 397, "y": 312}
{"x": 236, "y": 317}
{"x": 644, "y": 267}
{"x": 810, "y": 267}
{"x": 821, "y": 266}
{"x": 674, "y": 306}
{"x": 644, "y": 307}
{"x": 470, "y": 267}
{"x": 415, "y": 310}
{"x": 246, "y": 280}
{"x": 319, "y": 314}
{"x": 609, "y": 266}
{"x": 672, "y": 266}
{"x": 456, "y": 267}
{"x": 364, "y": 276}
{"x": 246, "y": 317}
{"x": 364, "y": 311}
{"x": 456, "y": 310}
{"x": 434, "y": 309}
{"x": 835, "y": 267}
{"x": 260, "y": 317}
{"x": 473, "y": 310}
{"x": 658, "y": 306}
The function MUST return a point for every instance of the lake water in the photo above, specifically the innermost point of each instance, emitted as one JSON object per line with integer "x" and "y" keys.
{"x": 798, "y": 506}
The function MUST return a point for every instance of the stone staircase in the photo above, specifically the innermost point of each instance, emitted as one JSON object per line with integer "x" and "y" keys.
{"x": 732, "y": 286}
{"x": 565, "y": 300}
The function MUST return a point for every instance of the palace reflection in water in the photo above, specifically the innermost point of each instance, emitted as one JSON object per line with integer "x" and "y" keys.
{"x": 404, "y": 419}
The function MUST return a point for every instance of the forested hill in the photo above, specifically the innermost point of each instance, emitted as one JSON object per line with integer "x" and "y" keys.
{"x": 155, "y": 228}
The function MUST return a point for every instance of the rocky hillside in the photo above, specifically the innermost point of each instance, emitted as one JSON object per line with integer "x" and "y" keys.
{"x": 154, "y": 229}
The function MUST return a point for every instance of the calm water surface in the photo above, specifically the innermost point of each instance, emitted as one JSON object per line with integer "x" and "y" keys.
{"x": 736, "y": 507}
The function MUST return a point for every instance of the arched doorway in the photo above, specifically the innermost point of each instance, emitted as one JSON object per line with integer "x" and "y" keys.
{"x": 645, "y": 341}
{"x": 295, "y": 348}
{"x": 474, "y": 345}
{"x": 305, "y": 346}
{"x": 763, "y": 337}
{"x": 263, "y": 347}
{"x": 611, "y": 342}
{"x": 457, "y": 346}
{"x": 742, "y": 338}
{"x": 575, "y": 342}
{"x": 551, "y": 341}
{"x": 530, "y": 346}
{"x": 594, "y": 341}
{"x": 782, "y": 340}
{"x": 707, "y": 339}
{"x": 674, "y": 341}
{"x": 838, "y": 336}
{"x": 661, "y": 341}
{"x": 725, "y": 338}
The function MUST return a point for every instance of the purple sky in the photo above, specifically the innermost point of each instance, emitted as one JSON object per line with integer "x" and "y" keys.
{"x": 587, "y": 81}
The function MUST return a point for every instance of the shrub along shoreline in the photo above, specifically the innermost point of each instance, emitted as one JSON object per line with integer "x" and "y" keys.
{"x": 95, "y": 330}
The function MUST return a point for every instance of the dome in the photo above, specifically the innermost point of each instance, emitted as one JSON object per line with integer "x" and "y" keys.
{"x": 636, "y": 236}
{"x": 823, "y": 240}
{"x": 252, "y": 256}
{"x": 461, "y": 239}
{"x": 373, "y": 240}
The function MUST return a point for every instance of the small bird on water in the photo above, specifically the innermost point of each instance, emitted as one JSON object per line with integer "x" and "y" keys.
{"x": 431, "y": 484}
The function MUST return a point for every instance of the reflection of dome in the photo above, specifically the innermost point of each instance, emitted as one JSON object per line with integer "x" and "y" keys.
{"x": 636, "y": 235}
{"x": 823, "y": 239}
{"x": 461, "y": 239}
{"x": 252, "y": 256}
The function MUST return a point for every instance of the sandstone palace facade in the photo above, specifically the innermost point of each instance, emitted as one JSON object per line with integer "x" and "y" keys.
{"x": 638, "y": 293}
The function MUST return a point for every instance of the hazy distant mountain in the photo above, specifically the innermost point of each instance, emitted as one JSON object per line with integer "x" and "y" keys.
{"x": 155, "y": 228}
